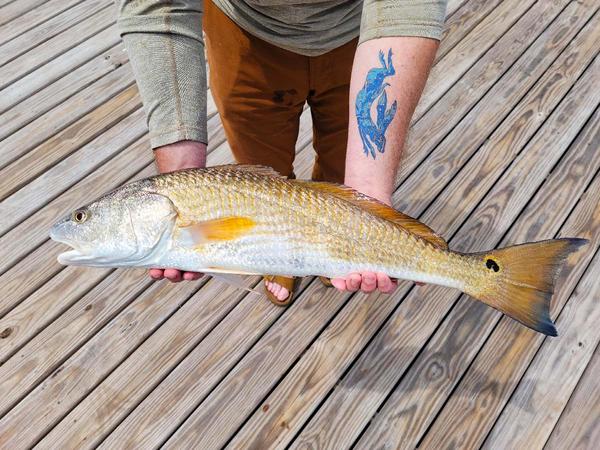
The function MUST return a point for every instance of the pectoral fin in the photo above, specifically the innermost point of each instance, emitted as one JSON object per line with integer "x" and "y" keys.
{"x": 222, "y": 229}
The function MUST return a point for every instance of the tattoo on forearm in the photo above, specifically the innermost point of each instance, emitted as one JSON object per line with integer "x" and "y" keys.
{"x": 372, "y": 133}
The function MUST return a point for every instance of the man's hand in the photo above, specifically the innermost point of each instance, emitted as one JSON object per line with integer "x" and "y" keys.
{"x": 388, "y": 77}
{"x": 176, "y": 156}
{"x": 367, "y": 281}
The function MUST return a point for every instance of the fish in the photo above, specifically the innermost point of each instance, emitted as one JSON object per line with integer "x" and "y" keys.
{"x": 249, "y": 220}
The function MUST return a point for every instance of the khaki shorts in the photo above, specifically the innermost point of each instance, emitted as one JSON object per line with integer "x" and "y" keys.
{"x": 260, "y": 90}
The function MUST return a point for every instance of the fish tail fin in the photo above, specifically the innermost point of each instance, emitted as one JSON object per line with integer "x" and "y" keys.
{"x": 519, "y": 280}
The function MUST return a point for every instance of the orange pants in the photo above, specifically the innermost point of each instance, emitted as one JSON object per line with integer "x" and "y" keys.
{"x": 260, "y": 90}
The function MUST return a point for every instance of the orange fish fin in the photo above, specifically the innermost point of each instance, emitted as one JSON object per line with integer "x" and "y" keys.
{"x": 223, "y": 229}
{"x": 256, "y": 169}
{"x": 379, "y": 209}
{"x": 520, "y": 280}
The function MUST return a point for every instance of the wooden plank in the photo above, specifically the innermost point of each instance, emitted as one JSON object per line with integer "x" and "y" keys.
{"x": 30, "y": 107}
{"x": 427, "y": 133}
{"x": 56, "y": 68}
{"x": 55, "y": 180}
{"x": 64, "y": 114}
{"x": 487, "y": 164}
{"x": 20, "y": 427}
{"x": 462, "y": 22}
{"x": 50, "y": 348}
{"x": 418, "y": 397}
{"x": 91, "y": 427}
{"x": 466, "y": 419}
{"x": 470, "y": 49}
{"x": 151, "y": 361}
{"x": 452, "y": 6}
{"x": 13, "y": 9}
{"x": 579, "y": 424}
{"x": 61, "y": 145}
{"x": 33, "y": 18}
{"x": 26, "y": 41}
{"x": 348, "y": 409}
{"x": 64, "y": 44}
{"x": 536, "y": 405}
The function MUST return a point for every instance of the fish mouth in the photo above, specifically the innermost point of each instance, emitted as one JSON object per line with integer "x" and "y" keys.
{"x": 74, "y": 256}
{"x": 77, "y": 254}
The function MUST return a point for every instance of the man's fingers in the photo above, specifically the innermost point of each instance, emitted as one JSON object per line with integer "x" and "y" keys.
{"x": 191, "y": 276}
{"x": 353, "y": 282}
{"x": 384, "y": 284}
{"x": 156, "y": 274}
{"x": 369, "y": 282}
{"x": 339, "y": 283}
{"x": 173, "y": 275}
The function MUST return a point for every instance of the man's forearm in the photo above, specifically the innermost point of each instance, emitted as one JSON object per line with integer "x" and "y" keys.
{"x": 166, "y": 50}
{"x": 388, "y": 77}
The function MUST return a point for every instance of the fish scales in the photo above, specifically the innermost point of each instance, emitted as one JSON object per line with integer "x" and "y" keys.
{"x": 318, "y": 224}
{"x": 248, "y": 219}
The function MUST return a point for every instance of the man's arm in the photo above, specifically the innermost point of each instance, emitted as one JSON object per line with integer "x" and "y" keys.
{"x": 164, "y": 42}
{"x": 388, "y": 77}
{"x": 166, "y": 50}
{"x": 390, "y": 69}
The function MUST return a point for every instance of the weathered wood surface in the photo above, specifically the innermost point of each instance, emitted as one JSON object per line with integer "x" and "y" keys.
{"x": 503, "y": 149}
{"x": 579, "y": 424}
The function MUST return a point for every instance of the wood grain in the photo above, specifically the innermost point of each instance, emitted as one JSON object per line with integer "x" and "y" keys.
{"x": 535, "y": 406}
{"x": 112, "y": 338}
{"x": 418, "y": 397}
{"x": 61, "y": 145}
{"x": 470, "y": 49}
{"x": 63, "y": 115}
{"x": 70, "y": 43}
{"x": 427, "y": 133}
{"x": 26, "y": 41}
{"x": 579, "y": 424}
{"x": 23, "y": 203}
{"x": 348, "y": 410}
{"x": 462, "y": 23}
{"x": 30, "y": 106}
{"x": 466, "y": 419}
{"x": 22, "y": 15}
{"x": 9, "y": 9}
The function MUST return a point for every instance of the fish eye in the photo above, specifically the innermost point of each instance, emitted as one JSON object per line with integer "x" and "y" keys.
{"x": 80, "y": 215}
{"x": 492, "y": 265}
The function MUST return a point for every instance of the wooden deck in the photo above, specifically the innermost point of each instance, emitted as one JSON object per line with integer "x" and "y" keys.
{"x": 503, "y": 149}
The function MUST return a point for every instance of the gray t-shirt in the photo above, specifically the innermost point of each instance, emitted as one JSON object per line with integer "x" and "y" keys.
{"x": 165, "y": 46}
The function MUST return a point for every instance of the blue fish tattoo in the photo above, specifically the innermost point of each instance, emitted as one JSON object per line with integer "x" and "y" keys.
{"x": 372, "y": 133}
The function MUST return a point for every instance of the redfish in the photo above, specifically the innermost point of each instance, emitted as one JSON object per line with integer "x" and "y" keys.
{"x": 250, "y": 220}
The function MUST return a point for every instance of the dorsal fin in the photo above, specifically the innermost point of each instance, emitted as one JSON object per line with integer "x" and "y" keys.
{"x": 259, "y": 170}
{"x": 379, "y": 209}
